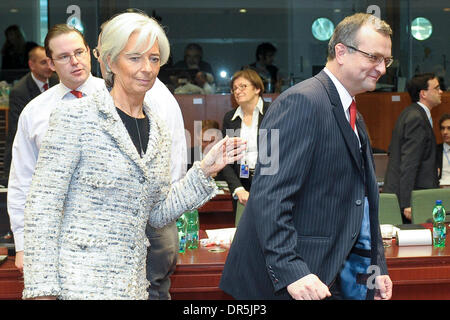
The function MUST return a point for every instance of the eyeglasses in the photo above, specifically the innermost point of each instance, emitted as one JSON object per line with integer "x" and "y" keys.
{"x": 96, "y": 53}
{"x": 373, "y": 58}
{"x": 240, "y": 87}
{"x": 65, "y": 58}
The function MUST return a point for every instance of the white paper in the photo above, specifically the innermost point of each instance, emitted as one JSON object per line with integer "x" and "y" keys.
{"x": 415, "y": 251}
{"x": 197, "y": 101}
{"x": 418, "y": 237}
{"x": 221, "y": 236}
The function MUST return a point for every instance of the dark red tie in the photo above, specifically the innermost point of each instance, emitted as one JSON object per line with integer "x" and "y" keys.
{"x": 353, "y": 114}
{"x": 45, "y": 86}
{"x": 77, "y": 94}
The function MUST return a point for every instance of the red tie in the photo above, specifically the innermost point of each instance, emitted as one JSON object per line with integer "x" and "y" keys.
{"x": 353, "y": 114}
{"x": 45, "y": 86}
{"x": 77, "y": 94}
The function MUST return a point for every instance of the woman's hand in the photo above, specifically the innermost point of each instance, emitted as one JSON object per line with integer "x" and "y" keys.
{"x": 19, "y": 260}
{"x": 227, "y": 150}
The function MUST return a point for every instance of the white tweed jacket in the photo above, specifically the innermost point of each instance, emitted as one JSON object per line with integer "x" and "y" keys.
{"x": 90, "y": 199}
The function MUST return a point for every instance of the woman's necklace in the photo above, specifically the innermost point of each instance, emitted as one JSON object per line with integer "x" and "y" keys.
{"x": 139, "y": 136}
{"x": 137, "y": 128}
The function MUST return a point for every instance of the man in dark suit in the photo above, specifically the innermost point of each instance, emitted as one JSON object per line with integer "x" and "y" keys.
{"x": 443, "y": 151}
{"x": 412, "y": 152}
{"x": 25, "y": 90}
{"x": 307, "y": 224}
{"x": 39, "y": 79}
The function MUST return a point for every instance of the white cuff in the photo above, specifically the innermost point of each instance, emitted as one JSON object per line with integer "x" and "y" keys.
{"x": 235, "y": 190}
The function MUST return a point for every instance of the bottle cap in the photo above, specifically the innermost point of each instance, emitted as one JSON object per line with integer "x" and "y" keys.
{"x": 439, "y": 202}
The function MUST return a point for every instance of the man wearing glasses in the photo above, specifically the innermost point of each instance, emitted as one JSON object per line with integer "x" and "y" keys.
{"x": 412, "y": 151}
{"x": 311, "y": 230}
{"x": 69, "y": 56}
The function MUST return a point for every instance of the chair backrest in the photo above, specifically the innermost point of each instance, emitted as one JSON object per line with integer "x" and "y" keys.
{"x": 239, "y": 211}
{"x": 389, "y": 209}
{"x": 381, "y": 161}
{"x": 423, "y": 201}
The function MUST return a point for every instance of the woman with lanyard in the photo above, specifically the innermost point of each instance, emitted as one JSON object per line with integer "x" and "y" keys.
{"x": 247, "y": 89}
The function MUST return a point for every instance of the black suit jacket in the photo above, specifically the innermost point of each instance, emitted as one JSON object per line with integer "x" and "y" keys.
{"x": 23, "y": 92}
{"x": 305, "y": 217}
{"x": 439, "y": 157}
{"x": 231, "y": 171}
{"x": 412, "y": 156}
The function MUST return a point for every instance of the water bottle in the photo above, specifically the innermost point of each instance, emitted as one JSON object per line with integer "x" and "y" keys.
{"x": 192, "y": 227}
{"x": 439, "y": 225}
{"x": 181, "y": 226}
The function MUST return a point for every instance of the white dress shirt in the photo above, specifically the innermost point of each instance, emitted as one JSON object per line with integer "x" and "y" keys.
{"x": 445, "y": 171}
{"x": 31, "y": 129}
{"x": 427, "y": 111}
{"x": 249, "y": 134}
{"x": 39, "y": 83}
{"x": 163, "y": 103}
{"x": 344, "y": 95}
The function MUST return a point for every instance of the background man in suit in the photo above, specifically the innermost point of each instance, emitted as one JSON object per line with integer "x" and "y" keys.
{"x": 39, "y": 79}
{"x": 69, "y": 56}
{"x": 319, "y": 212}
{"x": 443, "y": 151}
{"x": 412, "y": 152}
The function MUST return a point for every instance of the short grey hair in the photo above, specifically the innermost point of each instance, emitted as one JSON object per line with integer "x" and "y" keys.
{"x": 116, "y": 32}
{"x": 348, "y": 28}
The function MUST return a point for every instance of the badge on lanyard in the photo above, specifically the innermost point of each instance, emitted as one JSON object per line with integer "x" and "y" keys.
{"x": 244, "y": 172}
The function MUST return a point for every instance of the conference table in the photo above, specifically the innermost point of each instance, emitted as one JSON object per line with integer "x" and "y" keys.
{"x": 417, "y": 272}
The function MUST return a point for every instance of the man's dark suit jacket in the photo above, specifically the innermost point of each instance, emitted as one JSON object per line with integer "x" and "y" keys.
{"x": 231, "y": 171}
{"x": 439, "y": 157}
{"x": 23, "y": 92}
{"x": 306, "y": 217}
{"x": 412, "y": 156}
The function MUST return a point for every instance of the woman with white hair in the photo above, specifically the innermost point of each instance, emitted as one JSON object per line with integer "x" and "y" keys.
{"x": 103, "y": 173}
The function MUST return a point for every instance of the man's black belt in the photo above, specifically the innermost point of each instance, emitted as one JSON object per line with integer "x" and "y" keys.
{"x": 361, "y": 252}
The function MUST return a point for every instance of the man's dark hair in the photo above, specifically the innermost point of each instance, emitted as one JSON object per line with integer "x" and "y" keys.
{"x": 445, "y": 116}
{"x": 417, "y": 83}
{"x": 265, "y": 48}
{"x": 59, "y": 29}
{"x": 194, "y": 46}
